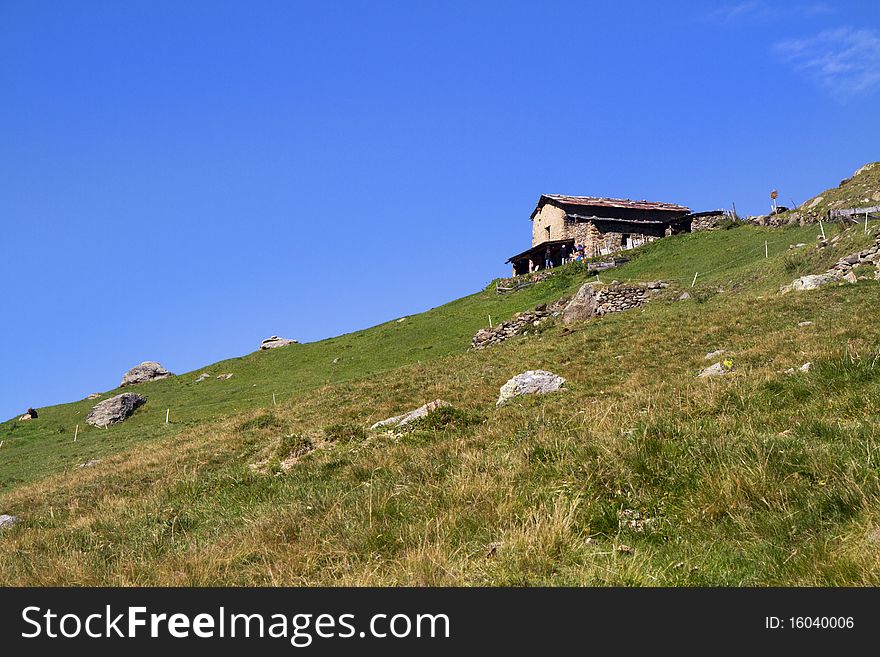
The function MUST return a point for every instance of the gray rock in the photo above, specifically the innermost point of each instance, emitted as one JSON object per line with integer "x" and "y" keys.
{"x": 114, "y": 410}
{"x": 582, "y": 305}
{"x": 811, "y": 282}
{"x": 851, "y": 277}
{"x": 714, "y": 354}
{"x": 89, "y": 464}
{"x": 224, "y": 377}
{"x": 146, "y": 371}
{"x": 803, "y": 324}
{"x": 411, "y": 416}
{"x": 7, "y": 520}
{"x": 531, "y": 382}
{"x": 274, "y": 342}
{"x": 684, "y": 296}
{"x": 713, "y": 370}
{"x": 95, "y": 395}
{"x": 202, "y": 377}
{"x": 805, "y": 367}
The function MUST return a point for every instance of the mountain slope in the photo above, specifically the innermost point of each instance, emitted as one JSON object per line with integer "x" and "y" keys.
{"x": 638, "y": 473}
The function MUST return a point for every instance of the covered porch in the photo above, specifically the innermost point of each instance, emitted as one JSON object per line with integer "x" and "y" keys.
{"x": 535, "y": 258}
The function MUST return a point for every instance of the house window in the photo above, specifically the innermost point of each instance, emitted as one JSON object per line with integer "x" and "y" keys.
{"x": 547, "y": 228}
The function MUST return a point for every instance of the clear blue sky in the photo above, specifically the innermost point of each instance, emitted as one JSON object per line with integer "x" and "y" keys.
{"x": 180, "y": 180}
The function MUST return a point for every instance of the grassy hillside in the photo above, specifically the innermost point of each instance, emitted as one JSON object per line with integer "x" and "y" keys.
{"x": 36, "y": 449}
{"x": 638, "y": 473}
{"x": 860, "y": 190}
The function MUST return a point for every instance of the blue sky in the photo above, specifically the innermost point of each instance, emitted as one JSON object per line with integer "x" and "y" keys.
{"x": 180, "y": 180}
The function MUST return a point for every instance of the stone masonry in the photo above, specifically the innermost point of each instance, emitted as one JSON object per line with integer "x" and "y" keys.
{"x": 603, "y": 299}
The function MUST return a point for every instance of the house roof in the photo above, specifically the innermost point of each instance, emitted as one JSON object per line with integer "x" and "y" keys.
{"x": 602, "y": 201}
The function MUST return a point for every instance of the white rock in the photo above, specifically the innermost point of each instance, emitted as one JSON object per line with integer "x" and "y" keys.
{"x": 531, "y": 382}
{"x": 147, "y": 371}
{"x": 274, "y": 341}
{"x": 114, "y": 410}
{"x": 713, "y": 370}
{"x": 811, "y": 282}
{"x": 411, "y": 416}
{"x": 714, "y": 354}
{"x": 7, "y": 521}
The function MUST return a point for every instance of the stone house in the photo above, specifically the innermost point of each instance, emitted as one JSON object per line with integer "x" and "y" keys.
{"x": 602, "y": 225}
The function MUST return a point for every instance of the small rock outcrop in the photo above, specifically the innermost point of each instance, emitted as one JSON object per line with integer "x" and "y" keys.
{"x": 147, "y": 371}
{"x": 7, "y": 520}
{"x": 532, "y": 382}
{"x": 274, "y": 342}
{"x": 202, "y": 377}
{"x": 224, "y": 377}
{"x": 842, "y": 271}
{"x": 411, "y": 416}
{"x": 114, "y": 410}
{"x": 95, "y": 395}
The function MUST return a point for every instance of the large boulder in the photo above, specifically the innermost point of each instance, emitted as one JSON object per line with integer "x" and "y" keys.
{"x": 146, "y": 371}
{"x": 532, "y": 382}
{"x": 582, "y": 305}
{"x": 411, "y": 416}
{"x": 114, "y": 410}
{"x": 274, "y": 341}
{"x": 7, "y": 521}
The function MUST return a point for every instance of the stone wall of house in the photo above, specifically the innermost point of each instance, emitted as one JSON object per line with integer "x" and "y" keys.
{"x": 552, "y": 217}
{"x": 598, "y": 243}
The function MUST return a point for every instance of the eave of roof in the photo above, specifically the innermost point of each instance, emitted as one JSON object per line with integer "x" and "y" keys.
{"x": 641, "y": 222}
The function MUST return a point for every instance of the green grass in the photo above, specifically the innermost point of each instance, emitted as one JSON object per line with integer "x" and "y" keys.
{"x": 638, "y": 473}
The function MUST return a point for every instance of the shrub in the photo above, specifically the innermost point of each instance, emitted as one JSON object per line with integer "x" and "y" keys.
{"x": 344, "y": 432}
{"x": 447, "y": 417}
{"x": 294, "y": 446}
{"x": 261, "y": 422}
